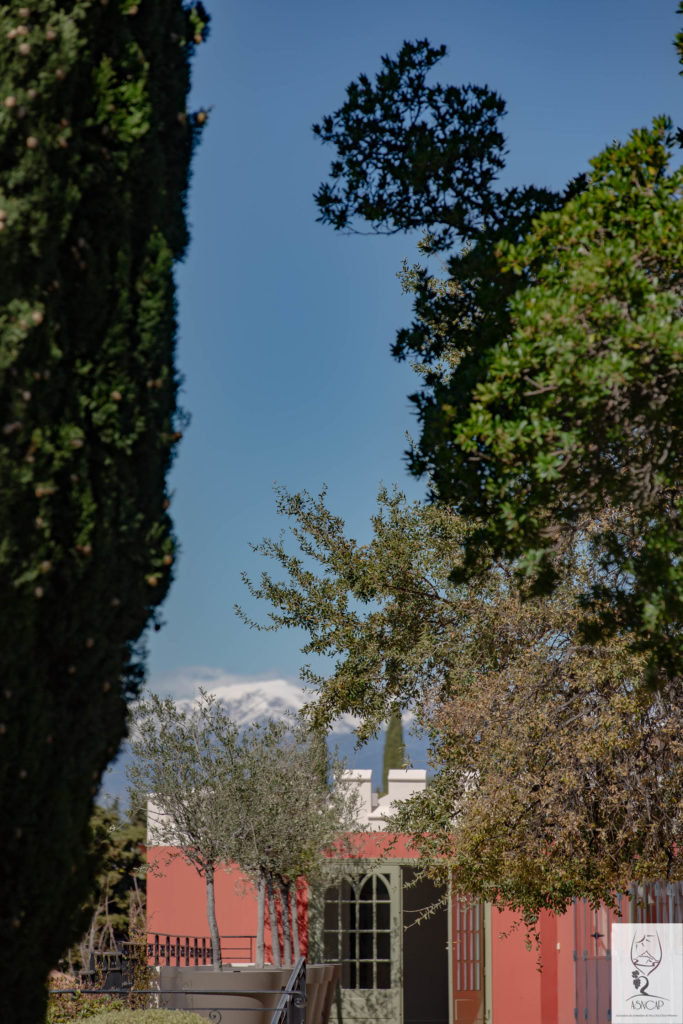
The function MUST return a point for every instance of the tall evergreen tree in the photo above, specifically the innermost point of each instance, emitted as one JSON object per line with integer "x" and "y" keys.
{"x": 550, "y": 356}
{"x": 95, "y": 144}
{"x": 394, "y": 748}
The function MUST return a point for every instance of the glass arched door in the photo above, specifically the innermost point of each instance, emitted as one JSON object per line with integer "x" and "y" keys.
{"x": 361, "y": 930}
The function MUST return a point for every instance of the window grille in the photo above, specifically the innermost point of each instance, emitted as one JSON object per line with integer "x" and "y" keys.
{"x": 357, "y": 931}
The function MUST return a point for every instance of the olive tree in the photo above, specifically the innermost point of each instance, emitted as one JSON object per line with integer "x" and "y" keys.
{"x": 189, "y": 764}
{"x": 300, "y": 813}
{"x": 262, "y": 797}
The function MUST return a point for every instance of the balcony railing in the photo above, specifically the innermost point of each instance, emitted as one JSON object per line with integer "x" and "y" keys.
{"x": 195, "y": 950}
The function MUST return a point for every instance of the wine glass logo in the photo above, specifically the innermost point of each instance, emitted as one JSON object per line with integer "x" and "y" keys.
{"x": 646, "y": 956}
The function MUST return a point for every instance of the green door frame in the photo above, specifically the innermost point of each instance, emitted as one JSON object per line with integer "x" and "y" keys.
{"x": 375, "y": 1003}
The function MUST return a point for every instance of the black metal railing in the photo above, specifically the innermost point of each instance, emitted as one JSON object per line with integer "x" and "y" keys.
{"x": 114, "y": 968}
{"x": 292, "y": 1006}
{"x": 195, "y": 950}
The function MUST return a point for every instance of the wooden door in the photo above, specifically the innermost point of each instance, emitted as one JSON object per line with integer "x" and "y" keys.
{"x": 467, "y": 962}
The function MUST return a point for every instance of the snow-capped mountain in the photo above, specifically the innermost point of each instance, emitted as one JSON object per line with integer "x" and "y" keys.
{"x": 250, "y": 699}
{"x": 247, "y": 698}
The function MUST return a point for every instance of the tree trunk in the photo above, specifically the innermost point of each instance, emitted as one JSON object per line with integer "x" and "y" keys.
{"x": 86, "y": 946}
{"x": 274, "y": 932}
{"x": 295, "y": 923}
{"x": 110, "y": 927}
{"x": 213, "y": 924}
{"x": 286, "y": 932}
{"x": 260, "y": 920}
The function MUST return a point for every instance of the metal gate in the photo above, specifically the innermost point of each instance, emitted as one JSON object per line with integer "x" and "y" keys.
{"x": 653, "y": 902}
{"x": 657, "y": 903}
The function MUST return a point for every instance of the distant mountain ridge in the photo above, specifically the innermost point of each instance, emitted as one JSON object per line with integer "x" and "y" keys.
{"x": 251, "y": 700}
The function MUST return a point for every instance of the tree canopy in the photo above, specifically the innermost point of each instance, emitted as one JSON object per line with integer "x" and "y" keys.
{"x": 96, "y": 141}
{"x": 557, "y": 773}
{"x": 264, "y": 797}
{"x": 551, "y": 354}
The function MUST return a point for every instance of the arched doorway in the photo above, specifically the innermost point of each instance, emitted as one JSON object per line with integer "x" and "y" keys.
{"x": 362, "y": 931}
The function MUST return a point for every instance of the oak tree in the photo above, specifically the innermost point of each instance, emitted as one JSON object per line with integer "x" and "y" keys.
{"x": 556, "y": 773}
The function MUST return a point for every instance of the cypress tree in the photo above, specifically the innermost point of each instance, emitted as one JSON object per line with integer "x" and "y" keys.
{"x": 394, "y": 748}
{"x": 95, "y": 144}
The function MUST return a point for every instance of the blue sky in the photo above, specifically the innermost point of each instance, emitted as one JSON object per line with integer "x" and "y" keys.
{"x": 285, "y": 326}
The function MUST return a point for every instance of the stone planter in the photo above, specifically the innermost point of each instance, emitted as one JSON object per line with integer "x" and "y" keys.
{"x": 321, "y": 985}
{"x": 216, "y": 995}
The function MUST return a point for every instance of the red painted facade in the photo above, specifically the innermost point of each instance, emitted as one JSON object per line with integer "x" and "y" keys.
{"x": 176, "y": 904}
{"x": 574, "y": 950}
{"x": 477, "y": 965}
{"x": 519, "y": 992}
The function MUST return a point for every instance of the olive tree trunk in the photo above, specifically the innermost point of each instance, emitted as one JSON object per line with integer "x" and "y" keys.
{"x": 213, "y": 924}
{"x": 295, "y": 922}
{"x": 260, "y": 920}
{"x": 286, "y": 933}
{"x": 274, "y": 931}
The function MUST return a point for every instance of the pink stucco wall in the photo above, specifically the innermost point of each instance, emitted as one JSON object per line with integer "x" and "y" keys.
{"x": 176, "y": 893}
{"x": 176, "y": 901}
{"x": 521, "y": 992}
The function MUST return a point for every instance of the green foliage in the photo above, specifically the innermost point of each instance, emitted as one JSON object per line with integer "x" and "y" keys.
{"x": 191, "y": 761}
{"x": 581, "y": 406}
{"x": 119, "y": 844}
{"x": 96, "y": 143}
{"x": 550, "y": 353}
{"x": 394, "y": 754}
{"x": 70, "y": 1007}
{"x": 411, "y": 155}
{"x": 296, "y": 807}
{"x": 557, "y": 774}
{"x": 260, "y": 798}
{"x": 335, "y": 590}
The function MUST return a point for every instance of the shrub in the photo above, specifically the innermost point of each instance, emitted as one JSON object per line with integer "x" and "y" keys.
{"x": 67, "y": 1007}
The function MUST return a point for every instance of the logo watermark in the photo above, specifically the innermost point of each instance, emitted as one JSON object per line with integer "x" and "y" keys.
{"x": 647, "y": 973}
